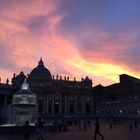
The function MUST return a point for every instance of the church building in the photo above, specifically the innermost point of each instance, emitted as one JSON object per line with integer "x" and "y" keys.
{"x": 57, "y": 97}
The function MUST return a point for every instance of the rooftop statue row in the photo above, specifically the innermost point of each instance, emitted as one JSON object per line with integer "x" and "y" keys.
{"x": 41, "y": 73}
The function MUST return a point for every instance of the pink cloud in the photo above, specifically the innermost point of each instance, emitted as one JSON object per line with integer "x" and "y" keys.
{"x": 96, "y": 53}
{"x": 24, "y": 10}
{"x": 26, "y": 48}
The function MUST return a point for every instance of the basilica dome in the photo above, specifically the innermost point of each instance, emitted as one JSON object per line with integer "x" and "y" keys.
{"x": 40, "y": 71}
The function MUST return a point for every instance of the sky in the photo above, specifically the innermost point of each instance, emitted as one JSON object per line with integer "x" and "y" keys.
{"x": 76, "y": 38}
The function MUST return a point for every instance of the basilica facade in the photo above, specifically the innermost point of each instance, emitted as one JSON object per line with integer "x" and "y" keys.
{"x": 57, "y": 96}
{"x": 60, "y": 97}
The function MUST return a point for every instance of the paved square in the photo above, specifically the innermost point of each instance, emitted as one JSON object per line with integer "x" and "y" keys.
{"x": 121, "y": 132}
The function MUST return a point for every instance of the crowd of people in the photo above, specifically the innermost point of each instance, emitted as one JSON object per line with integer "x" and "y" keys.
{"x": 61, "y": 125}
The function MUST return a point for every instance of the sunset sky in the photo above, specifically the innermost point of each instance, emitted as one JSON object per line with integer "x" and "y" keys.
{"x": 75, "y": 38}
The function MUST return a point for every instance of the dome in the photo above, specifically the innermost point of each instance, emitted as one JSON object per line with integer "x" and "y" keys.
{"x": 40, "y": 71}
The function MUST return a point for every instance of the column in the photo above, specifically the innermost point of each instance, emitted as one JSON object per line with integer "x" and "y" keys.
{"x": 52, "y": 104}
{"x": 44, "y": 103}
{"x": 60, "y": 105}
{"x": 66, "y": 104}
{"x": 92, "y": 105}
{"x": 5, "y": 100}
{"x": 75, "y": 104}
{"x": 83, "y": 104}
{"x": 47, "y": 104}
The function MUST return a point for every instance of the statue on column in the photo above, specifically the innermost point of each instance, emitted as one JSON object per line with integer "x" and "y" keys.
{"x": 53, "y": 77}
{"x": 60, "y": 77}
{"x": 67, "y": 78}
{"x": 7, "y": 81}
{"x": 57, "y": 76}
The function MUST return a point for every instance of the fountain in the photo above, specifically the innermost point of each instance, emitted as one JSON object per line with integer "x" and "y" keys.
{"x": 23, "y": 107}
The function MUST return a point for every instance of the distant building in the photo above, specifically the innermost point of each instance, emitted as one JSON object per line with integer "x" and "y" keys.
{"x": 121, "y": 100}
{"x": 56, "y": 96}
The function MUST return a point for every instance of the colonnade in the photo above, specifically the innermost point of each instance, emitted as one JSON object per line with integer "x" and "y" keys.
{"x": 67, "y": 104}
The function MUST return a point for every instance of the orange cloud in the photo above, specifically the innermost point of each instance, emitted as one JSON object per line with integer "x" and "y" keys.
{"x": 107, "y": 71}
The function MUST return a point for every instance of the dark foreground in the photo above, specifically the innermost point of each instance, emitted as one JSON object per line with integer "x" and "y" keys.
{"x": 121, "y": 132}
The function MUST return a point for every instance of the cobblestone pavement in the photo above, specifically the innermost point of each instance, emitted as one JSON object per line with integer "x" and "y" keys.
{"x": 121, "y": 132}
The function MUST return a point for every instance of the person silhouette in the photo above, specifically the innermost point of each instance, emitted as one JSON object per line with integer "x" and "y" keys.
{"x": 27, "y": 131}
{"x": 130, "y": 125}
{"x": 40, "y": 129}
{"x": 97, "y": 129}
